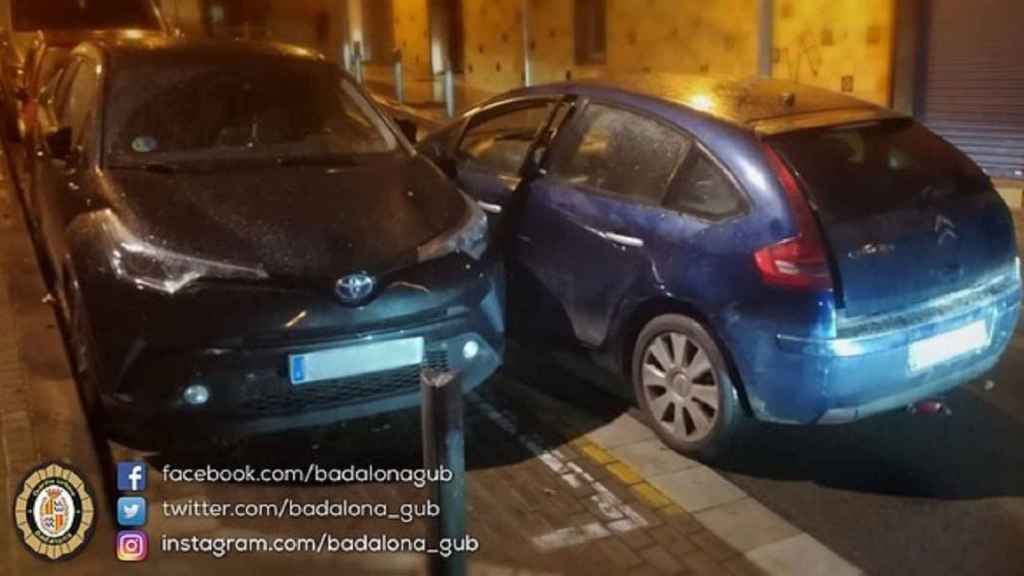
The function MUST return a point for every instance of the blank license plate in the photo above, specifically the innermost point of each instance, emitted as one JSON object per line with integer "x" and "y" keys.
{"x": 355, "y": 360}
{"x": 944, "y": 347}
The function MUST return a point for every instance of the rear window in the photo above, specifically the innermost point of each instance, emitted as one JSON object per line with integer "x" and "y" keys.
{"x": 856, "y": 171}
{"x": 29, "y": 15}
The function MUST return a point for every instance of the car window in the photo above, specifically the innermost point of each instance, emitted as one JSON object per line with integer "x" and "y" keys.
{"x": 199, "y": 111}
{"x": 621, "y": 153}
{"x": 501, "y": 141}
{"x": 81, "y": 100}
{"x": 702, "y": 188}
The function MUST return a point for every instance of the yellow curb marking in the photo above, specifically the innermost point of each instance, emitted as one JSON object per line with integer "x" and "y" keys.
{"x": 597, "y": 454}
{"x": 624, "y": 473}
{"x": 651, "y": 496}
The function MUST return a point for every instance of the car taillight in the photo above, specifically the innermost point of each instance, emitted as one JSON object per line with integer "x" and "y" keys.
{"x": 802, "y": 261}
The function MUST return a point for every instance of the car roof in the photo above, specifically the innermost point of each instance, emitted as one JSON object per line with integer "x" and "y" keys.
{"x": 148, "y": 47}
{"x": 767, "y": 105}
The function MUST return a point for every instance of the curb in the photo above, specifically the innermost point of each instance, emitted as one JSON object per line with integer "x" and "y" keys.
{"x": 667, "y": 481}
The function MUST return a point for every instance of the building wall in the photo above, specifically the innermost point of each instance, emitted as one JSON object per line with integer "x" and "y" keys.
{"x": 412, "y": 36}
{"x": 715, "y": 37}
{"x": 842, "y": 45}
{"x": 494, "y": 43}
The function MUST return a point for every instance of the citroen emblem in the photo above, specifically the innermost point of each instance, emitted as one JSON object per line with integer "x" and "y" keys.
{"x": 946, "y": 230}
{"x": 355, "y": 288}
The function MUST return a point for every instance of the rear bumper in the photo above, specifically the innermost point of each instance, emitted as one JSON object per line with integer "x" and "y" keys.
{"x": 837, "y": 380}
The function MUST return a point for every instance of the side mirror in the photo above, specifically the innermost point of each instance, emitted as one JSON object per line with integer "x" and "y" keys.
{"x": 408, "y": 128}
{"x": 58, "y": 143}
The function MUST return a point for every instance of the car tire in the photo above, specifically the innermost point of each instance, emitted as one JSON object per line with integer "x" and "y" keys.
{"x": 684, "y": 387}
{"x": 80, "y": 344}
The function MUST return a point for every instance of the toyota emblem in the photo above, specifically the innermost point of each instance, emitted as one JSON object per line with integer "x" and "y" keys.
{"x": 355, "y": 288}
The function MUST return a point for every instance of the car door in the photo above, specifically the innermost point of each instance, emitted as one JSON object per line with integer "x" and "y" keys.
{"x": 587, "y": 228}
{"x": 492, "y": 150}
{"x": 58, "y": 180}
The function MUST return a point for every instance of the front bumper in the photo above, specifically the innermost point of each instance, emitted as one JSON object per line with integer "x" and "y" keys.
{"x": 244, "y": 363}
{"x": 867, "y": 371}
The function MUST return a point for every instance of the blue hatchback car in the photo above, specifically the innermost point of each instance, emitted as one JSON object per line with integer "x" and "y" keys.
{"x": 742, "y": 248}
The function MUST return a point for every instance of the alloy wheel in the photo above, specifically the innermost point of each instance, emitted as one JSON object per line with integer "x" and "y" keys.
{"x": 680, "y": 386}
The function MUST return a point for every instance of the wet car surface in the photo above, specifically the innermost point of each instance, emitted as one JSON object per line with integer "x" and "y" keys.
{"x": 336, "y": 262}
{"x": 752, "y": 247}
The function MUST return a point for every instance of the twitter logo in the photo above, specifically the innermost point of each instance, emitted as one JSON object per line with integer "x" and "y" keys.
{"x": 131, "y": 511}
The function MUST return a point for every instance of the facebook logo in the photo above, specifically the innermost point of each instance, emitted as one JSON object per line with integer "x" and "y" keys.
{"x": 131, "y": 476}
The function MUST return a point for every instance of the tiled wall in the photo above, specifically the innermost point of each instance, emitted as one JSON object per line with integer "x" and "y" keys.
{"x": 412, "y": 36}
{"x": 843, "y": 45}
{"x": 494, "y": 43}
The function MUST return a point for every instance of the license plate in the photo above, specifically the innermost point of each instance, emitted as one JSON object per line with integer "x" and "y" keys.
{"x": 354, "y": 360}
{"x": 945, "y": 347}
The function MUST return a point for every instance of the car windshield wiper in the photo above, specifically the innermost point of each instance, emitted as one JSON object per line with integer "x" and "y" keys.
{"x": 156, "y": 167}
{"x": 330, "y": 161}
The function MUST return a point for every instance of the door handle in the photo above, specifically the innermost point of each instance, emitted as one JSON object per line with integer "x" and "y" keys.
{"x": 489, "y": 208}
{"x": 629, "y": 241}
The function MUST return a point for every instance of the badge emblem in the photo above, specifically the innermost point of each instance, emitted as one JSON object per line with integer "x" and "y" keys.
{"x": 55, "y": 512}
{"x": 355, "y": 288}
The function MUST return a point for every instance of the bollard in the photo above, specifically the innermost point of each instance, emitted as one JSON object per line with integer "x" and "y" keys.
{"x": 399, "y": 80}
{"x": 444, "y": 446}
{"x": 449, "y": 91}
{"x": 357, "y": 62}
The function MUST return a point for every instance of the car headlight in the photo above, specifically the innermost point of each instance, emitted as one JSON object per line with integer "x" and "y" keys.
{"x": 149, "y": 266}
{"x": 470, "y": 237}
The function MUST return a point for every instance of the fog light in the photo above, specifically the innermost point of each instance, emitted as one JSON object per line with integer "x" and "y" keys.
{"x": 196, "y": 395}
{"x": 470, "y": 350}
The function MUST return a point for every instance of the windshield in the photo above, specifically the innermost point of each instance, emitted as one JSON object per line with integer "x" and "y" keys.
{"x": 32, "y": 15}
{"x": 263, "y": 109}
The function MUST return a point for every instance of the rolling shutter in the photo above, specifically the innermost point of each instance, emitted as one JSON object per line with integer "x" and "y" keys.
{"x": 974, "y": 80}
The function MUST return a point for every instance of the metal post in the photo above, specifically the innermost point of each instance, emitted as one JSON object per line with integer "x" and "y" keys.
{"x": 444, "y": 446}
{"x": 399, "y": 78}
{"x": 765, "y": 38}
{"x": 449, "y": 90}
{"x": 357, "y": 63}
{"x": 527, "y": 65}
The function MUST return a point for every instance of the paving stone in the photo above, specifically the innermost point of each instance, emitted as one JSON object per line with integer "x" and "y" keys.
{"x": 701, "y": 564}
{"x": 650, "y": 495}
{"x": 697, "y": 488}
{"x": 662, "y": 560}
{"x": 713, "y": 545}
{"x": 637, "y": 539}
{"x": 803, "y": 555}
{"x": 622, "y": 431}
{"x": 652, "y": 458}
{"x": 746, "y": 524}
{"x": 619, "y": 553}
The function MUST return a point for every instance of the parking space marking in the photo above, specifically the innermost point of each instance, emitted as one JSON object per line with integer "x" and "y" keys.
{"x": 619, "y": 517}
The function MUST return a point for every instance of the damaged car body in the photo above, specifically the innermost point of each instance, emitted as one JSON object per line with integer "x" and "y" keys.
{"x": 242, "y": 243}
{"x": 742, "y": 248}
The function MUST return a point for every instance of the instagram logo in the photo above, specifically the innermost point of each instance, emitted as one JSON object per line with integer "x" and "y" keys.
{"x": 132, "y": 546}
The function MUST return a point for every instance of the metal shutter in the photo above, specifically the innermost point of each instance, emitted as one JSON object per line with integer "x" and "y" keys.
{"x": 974, "y": 80}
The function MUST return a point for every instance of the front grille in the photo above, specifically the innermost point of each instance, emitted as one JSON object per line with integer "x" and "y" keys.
{"x": 290, "y": 400}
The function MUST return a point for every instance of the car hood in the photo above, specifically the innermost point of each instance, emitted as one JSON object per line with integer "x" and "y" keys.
{"x": 300, "y": 222}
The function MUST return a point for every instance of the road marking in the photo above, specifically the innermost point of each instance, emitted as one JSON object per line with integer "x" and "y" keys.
{"x": 619, "y": 517}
